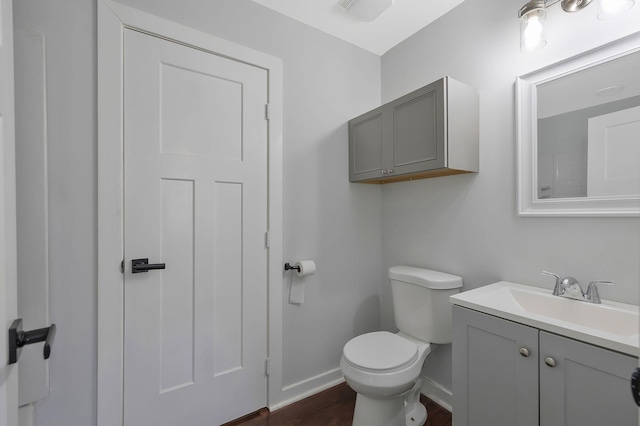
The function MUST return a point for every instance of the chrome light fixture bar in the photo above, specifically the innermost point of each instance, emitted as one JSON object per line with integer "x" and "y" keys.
{"x": 533, "y": 15}
{"x": 574, "y": 5}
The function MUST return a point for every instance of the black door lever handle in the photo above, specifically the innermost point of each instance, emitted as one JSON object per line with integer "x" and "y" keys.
{"x": 19, "y": 338}
{"x": 143, "y": 265}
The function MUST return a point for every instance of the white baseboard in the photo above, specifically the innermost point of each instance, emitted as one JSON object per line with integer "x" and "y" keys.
{"x": 437, "y": 393}
{"x": 305, "y": 388}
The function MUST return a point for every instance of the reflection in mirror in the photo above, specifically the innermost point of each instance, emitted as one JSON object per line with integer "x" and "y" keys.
{"x": 588, "y": 131}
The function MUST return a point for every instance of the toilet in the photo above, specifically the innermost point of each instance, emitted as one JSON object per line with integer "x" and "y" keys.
{"x": 385, "y": 369}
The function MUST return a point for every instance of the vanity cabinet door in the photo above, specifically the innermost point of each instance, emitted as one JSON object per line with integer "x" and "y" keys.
{"x": 495, "y": 371}
{"x": 587, "y": 385}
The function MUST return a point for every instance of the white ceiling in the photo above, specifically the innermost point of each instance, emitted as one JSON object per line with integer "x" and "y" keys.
{"x": 581, "y": 89}
{"x": 398, "y": 22}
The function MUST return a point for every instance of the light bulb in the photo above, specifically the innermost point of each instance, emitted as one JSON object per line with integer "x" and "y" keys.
{"x": 609, "y": 8}
{"x": 533, "y": 33}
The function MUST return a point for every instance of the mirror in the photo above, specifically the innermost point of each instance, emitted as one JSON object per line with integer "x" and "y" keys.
{"x": 579, "y": 135}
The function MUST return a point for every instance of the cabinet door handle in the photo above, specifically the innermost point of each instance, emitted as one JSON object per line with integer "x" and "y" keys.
{"x": 390, "y": 171}
{"x": 550, "y": 361}
{"x": 384, "y": 172}
{"x": 524, "y": 352}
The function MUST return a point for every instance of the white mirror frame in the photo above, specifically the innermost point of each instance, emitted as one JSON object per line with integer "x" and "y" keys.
{"x": 527, "y": 158}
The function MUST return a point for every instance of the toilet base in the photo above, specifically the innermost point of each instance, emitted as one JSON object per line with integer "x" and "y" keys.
{"x": 416, "y": 412}
{"x": 379, "y": 412}
{"x": 417, "y": 417}
{"x": 398, "y": 411}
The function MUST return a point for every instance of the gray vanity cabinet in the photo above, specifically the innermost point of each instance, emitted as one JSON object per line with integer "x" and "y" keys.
{"x": 430, "y": 132}
{"x": 587, "y": 385}
{"x": 495, "y": 371}
{"x": 506, "y": 374}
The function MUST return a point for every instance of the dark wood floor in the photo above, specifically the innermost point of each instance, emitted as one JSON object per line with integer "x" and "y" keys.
{"x": 333, "y": 407}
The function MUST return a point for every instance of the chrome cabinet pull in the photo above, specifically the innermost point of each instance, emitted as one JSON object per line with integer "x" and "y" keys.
{"x": 524, "y": 352}
{"x": 550, "y": 361}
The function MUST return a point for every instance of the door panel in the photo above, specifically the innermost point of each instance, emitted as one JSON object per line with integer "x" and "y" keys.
{"x": 366, "y": 145}
{"x": 32, "y": 206}
{"x": 195, "y": 199}
{"x": 613, "y": 151}
{"x": 589, "y": 385}
{"x": 493, "y": 382}
{"x": 418, "y": 131}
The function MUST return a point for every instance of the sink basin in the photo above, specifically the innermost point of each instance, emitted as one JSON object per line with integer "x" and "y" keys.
{"x": 610, "y": 324}
{"x": 600, "y": 317}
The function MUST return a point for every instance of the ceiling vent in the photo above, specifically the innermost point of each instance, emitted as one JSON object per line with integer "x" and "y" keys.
{"x": 365, "y": 10}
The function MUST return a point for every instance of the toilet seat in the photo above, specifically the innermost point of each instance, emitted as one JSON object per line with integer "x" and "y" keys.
{"x": 380, "y": 351}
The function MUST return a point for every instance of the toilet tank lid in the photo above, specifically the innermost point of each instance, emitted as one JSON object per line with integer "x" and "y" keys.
{"x": 424, "y": 277}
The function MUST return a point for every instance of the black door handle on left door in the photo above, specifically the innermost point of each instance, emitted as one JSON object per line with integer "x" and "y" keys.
{"x": 19, "y": 338}
{"x": 143, "y": 265}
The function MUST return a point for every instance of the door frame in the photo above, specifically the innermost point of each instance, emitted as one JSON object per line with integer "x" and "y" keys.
{"x": 113, "y": 19}
{"x": 8, "y": 245}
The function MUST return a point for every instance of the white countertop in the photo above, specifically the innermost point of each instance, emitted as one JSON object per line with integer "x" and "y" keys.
{"x": 611, "y": 325}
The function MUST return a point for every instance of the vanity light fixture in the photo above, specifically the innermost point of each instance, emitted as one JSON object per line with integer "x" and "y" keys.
{"x": 532, "y": 32}
{"x": 532, "y": 17}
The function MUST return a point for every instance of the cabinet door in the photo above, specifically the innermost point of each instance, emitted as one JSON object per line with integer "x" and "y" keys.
{"x": 495, "y": 371}
{"x": 417, "y": 132}
{"x": 366, "y": 146}
{"x": 589, "y": 385}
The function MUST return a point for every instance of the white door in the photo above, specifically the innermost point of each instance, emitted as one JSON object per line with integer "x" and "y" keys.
{"x": 8, "y": 278}
{"x": 614, "y": 154}
{"x": 195, "y": 199}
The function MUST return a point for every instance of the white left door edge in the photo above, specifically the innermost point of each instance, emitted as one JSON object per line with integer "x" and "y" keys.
{"x": 8, "y": 247}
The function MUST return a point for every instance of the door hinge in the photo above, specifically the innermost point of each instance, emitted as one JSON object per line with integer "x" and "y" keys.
{"x": 267, "y": 239}
{"x": 267, "y": 367}
{"x": 267, "y": 111}
{"x": 122, "y": 267}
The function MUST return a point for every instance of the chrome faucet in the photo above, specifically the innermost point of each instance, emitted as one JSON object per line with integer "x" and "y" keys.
{"x": 570, "y": 288}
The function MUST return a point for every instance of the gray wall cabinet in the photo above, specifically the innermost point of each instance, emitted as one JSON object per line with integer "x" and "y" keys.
{"x": 505, "y": 374}
{"x": 430, "y": 132}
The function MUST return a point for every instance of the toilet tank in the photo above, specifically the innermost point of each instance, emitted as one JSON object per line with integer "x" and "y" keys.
{"x": 421, "y": 302}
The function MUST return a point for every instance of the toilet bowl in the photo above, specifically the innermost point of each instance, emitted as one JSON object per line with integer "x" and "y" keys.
{"x": 386, "y": 369}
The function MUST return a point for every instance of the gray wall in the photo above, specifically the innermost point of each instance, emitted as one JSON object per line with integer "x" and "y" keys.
{"x": 326, "y": 82}
{"x": 467, "y": 224}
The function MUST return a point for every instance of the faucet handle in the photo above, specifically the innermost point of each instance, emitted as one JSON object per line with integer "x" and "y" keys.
{"x": 592, "y": 294}
{"x": 556, "y": 289}
{"x": 552, "y": 274}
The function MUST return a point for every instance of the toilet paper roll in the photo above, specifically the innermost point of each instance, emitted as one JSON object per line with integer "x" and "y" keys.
{"x": 307, "y": 267}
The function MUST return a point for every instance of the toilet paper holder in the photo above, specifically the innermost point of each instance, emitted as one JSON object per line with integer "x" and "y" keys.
{"x": 288, "y": 267}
